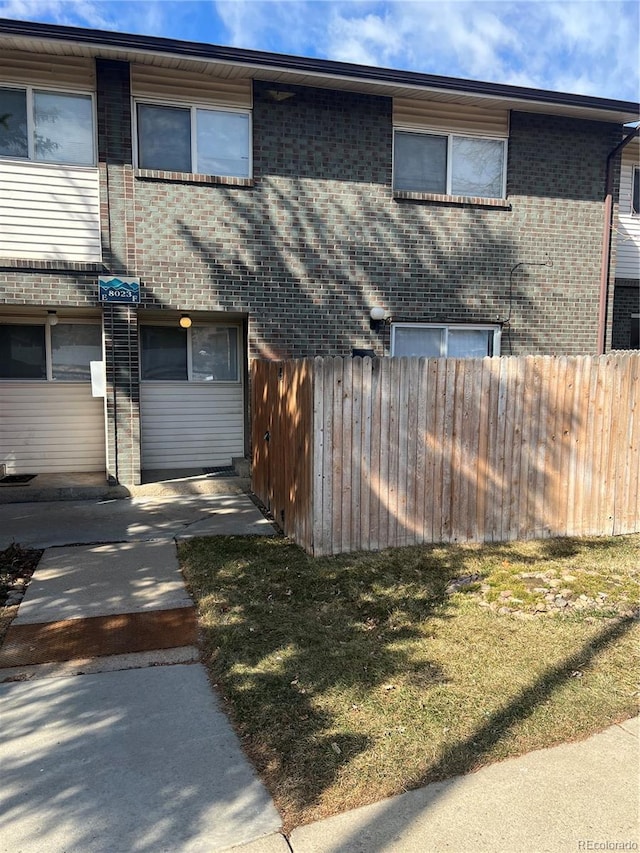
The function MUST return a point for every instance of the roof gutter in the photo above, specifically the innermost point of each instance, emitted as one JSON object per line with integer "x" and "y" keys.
{"x": 606, "y": 241}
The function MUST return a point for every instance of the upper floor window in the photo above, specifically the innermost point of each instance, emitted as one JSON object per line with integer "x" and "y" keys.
{"x": 46, "y": 126}
{"x": 194, "y": 139}
{"x": 447, "y": 164}
{"x": 635, "y": 192}
{"x": 428, "y": 340}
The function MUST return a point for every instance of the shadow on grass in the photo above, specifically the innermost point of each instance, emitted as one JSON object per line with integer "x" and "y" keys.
{"x": 551, "y": 549}
{"x": 467, "y": 755}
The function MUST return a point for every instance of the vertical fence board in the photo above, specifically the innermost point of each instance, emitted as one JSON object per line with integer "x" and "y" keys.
{"x": 583, "y": 388}
{"x": 591, "y": 472}
{"x": 366, "y": 455}
{"x": 375, "y": 397}
{"x": 482, "y": 473}
{"x": 402, "y": 491}
{"x": 608, "y": 409}
{"x": 527, "y": 411}
{"x": 421, "y": 438}
{"x": 458, "y": 478}
{"x": 633, "y": 448}
{"x": 392, "y": 449}
{"x": 344, "y": 497}
{"x": 355, "y": 536}
{"x": 433, "y": 450}
{"x": 385, "y": 439}
{"x": 618, "y": 451}
{"x": 319, "y": 437}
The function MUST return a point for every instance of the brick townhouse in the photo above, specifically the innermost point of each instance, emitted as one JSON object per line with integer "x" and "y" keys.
{"x": 243, "y": 205}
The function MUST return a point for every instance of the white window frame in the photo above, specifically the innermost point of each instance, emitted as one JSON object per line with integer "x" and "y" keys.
{"x": 193, "y": 107}
{"x": 635, "y": 171}
{"x": 229, "y": 382}
{"x": 48, "y": 351}
{"x": 31, "y": 137}
{"x": 470, "y": 327}
{"x": 450, "y": 136}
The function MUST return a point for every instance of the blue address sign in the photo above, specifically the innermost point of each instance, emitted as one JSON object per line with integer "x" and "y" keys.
{"x": 115, "y": 288}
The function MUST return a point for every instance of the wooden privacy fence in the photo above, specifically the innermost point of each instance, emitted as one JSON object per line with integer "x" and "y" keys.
{"x": 354, "y": 454}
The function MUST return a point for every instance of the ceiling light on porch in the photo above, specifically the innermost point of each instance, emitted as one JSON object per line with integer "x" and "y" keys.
{"x": 185, "y": 321}
{"x": 52, "y": 318}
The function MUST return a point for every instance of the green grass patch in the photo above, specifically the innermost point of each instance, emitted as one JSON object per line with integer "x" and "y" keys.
{"x": 357, "y": 677}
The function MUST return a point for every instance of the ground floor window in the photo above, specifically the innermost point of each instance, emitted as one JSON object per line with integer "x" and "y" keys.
{"x": 634, "y": 336}
{"x": 56, "y": 352}
{"x": 201, "y": 353}
{"x": 431, "y": 340}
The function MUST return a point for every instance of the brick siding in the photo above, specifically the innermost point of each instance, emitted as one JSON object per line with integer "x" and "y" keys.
{"x": 316, "y": 238}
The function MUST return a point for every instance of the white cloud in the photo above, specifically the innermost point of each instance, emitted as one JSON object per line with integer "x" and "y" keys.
{"x": 588, "y": 46}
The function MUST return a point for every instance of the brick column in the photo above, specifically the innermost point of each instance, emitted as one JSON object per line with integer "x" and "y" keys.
{"x": 117, "y": 223}
{"x": 120, "y": 326}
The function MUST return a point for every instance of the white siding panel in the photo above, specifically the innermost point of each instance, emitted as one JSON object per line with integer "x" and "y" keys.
{"x": 49, "y": 212}
{"x": 190, "y": 424}
{"x": 51, "y": 427}
{"x": 63, "y": 72}
{"x": 188, "y": 86}
{"x": 450, "y": 117}
{"x": 628, "y": 227}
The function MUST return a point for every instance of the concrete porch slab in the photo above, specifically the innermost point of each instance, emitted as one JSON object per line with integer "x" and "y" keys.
{"x": 36, "y": 525}
{"x": 94, "y": 486}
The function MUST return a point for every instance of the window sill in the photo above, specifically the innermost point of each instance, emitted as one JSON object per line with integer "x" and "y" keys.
{"x": 190, "y": 178}
{"x": 456, "y": 200}
{"x": 40, "y": 264}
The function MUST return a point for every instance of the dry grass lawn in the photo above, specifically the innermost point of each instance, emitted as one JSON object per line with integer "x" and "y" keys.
{"x": 356, "y": 677}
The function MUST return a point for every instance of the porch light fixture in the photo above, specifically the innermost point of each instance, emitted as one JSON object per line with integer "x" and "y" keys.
{"x": 185, "y": 321}
{"x": 52, "y": 318}
{"x": 377, "y": 318}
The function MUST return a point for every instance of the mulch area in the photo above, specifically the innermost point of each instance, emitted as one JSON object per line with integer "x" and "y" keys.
{"x": 17, "y": 565}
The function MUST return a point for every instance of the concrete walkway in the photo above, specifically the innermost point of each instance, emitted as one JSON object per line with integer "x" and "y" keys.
{"x": 129, "y": 750}
{"x": 111, "y": 739}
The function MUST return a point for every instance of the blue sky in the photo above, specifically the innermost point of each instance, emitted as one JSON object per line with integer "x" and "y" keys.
{"x": 590, "y": 46}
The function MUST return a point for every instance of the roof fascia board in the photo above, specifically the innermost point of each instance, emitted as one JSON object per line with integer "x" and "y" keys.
{"x": 319, "y": 68}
